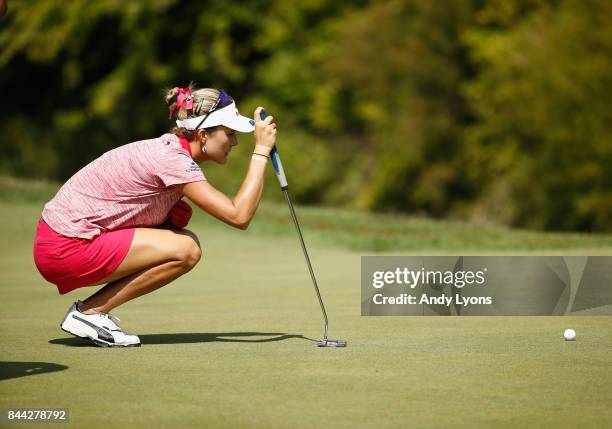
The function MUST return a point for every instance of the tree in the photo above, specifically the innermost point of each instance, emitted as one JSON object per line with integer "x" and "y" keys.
{"x": 542, "y": 143}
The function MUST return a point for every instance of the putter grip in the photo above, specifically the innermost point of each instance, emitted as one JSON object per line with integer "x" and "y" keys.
{"x": 276, "y": 162}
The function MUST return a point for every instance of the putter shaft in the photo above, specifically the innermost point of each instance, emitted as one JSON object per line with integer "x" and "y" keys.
{"x": 312, "y": 275}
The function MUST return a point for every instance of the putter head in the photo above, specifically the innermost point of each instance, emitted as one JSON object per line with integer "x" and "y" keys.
{"x": 331, "y": 343}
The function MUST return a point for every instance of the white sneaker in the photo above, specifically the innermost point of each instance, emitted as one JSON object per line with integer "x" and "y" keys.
{"x": 101, "y": 328}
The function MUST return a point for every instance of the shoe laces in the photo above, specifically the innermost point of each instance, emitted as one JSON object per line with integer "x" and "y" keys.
{"x": 114, "y": 319}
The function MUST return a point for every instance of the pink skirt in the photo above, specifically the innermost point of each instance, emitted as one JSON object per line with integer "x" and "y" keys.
{"x": 71, "y": 263}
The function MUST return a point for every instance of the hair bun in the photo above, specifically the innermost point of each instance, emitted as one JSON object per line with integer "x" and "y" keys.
{"x": 171, "y": 96}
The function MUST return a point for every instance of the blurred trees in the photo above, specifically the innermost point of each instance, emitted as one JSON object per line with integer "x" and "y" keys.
{"x": 494, "y": 110}
{"x": 541, "y": 142}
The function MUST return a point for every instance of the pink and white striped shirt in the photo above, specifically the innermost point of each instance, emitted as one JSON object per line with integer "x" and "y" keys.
{"x": 131, "y": 186}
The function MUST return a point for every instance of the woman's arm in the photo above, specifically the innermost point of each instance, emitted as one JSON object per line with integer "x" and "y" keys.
{"x": 239, "y": 211}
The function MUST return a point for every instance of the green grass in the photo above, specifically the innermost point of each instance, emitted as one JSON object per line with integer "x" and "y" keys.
{"x": 396, "y": 234}
{"x": 230, "y": 345}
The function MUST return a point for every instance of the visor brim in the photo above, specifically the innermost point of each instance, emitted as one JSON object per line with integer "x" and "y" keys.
{"x": 241, "y": 124}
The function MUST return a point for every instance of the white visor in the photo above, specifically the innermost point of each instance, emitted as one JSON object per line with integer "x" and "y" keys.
{"x": 228, "y": 116}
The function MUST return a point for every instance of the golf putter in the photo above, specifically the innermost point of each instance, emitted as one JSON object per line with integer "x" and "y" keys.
{"x": 280, "y": 174}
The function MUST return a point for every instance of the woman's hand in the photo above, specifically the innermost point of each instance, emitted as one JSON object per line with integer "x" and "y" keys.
{"x": 180, "y": 214}
{"x": 265, "y": 133}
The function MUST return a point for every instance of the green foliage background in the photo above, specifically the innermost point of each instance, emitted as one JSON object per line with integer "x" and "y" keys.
{"x": 496, "y": 111}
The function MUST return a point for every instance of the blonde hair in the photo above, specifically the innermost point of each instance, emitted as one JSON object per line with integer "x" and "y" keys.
{"x": 203, "y": 101}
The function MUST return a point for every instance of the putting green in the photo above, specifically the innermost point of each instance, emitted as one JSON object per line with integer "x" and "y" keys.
{"x": 231, "y": 345}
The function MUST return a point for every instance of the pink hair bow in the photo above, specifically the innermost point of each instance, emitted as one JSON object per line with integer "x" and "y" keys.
{"x": 184, "y": 98}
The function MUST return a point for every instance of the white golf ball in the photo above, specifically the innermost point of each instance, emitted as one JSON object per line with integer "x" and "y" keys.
{"x": 569, "y": 334}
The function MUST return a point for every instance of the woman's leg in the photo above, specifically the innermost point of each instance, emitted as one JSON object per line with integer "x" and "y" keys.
{"x": 156, "y": 257}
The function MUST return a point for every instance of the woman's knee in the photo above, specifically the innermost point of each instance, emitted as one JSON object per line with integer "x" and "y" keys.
{"x": 189, "y": 252}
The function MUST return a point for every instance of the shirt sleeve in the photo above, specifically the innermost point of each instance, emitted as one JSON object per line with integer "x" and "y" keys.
{"x": 177, "y": 168}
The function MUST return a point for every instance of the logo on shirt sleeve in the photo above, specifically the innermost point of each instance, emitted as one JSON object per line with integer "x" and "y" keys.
{"x": 193, "y": 168}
